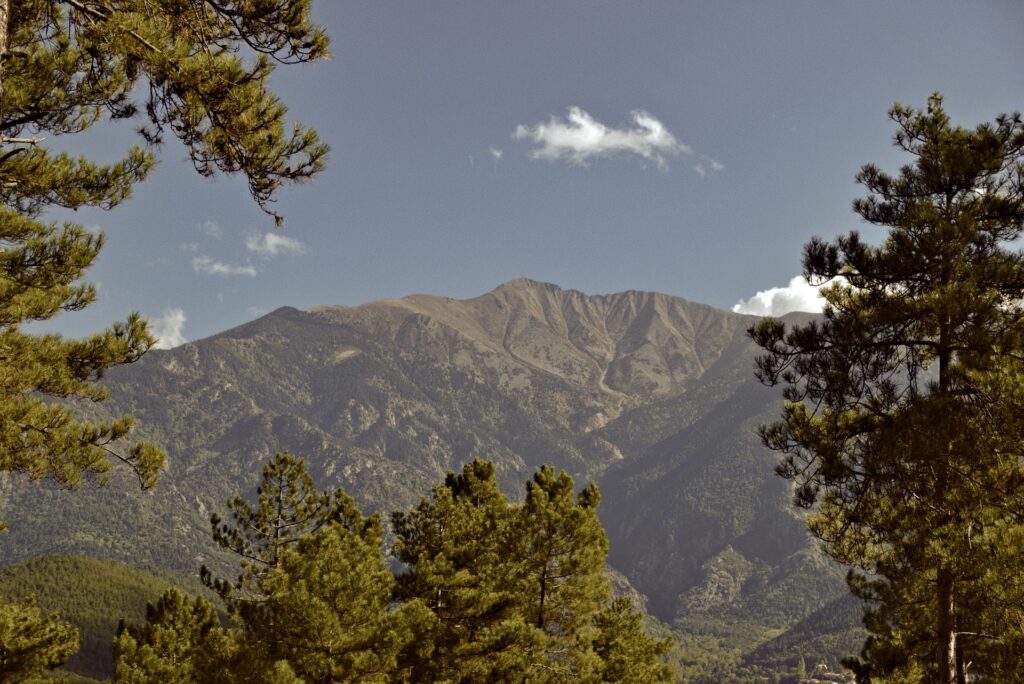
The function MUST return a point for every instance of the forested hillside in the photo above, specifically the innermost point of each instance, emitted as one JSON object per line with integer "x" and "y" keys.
{"x": 650, "y": 396}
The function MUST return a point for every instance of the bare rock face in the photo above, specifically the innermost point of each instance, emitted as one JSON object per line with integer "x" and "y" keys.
{"x": 651, "y": 395}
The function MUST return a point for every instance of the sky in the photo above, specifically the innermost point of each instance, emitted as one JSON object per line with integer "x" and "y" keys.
{"x": 689, "y": 148}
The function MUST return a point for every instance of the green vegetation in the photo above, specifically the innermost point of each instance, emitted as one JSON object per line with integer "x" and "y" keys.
{"x": 528, "y": 600}
{"x": 91, "y": 594}
{"x": 73, "y": 65}
{"x": 902, "y": 429}
{"x": 65, "y": 67}
{"x": 30, "y": 642}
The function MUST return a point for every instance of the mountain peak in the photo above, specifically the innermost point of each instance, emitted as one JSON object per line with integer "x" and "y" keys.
{"x": 527, "y": 285}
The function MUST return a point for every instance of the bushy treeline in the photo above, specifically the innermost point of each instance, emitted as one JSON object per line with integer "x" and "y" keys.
{"x": 488, "y": 591}
{"x": 91, "y": 594}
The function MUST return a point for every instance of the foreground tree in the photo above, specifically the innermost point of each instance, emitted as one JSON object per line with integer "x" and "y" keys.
{"x": 314, "y": 592}
{"x": 66, "y": 65}
{"x": 627, "y": 652}
{"x": 455, "y": 545}
{"x": 182, "y": 642}
{"x": 327, "y": 612}
{"x": 288, "y": 507}
{"x": 894, "y": 426}
{"x": 32, "y": 643}
{"x": 558, "y": 555}
{"x": 517, "y": 592}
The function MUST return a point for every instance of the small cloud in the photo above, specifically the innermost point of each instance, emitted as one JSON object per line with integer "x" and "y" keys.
{"x": 799, "y": 295}
{"x": 211, "y": 229}
{"x": 580, "y": 137}
{"x": 496, "y": 154}
{"x": 256, "y": 311}
{"x": 189, "y": 247}
{"x": 205, "y": 264}
{"x": 706, "y": 165}
{"x": 167, "y": 328}
{"x": 272, "y": 244}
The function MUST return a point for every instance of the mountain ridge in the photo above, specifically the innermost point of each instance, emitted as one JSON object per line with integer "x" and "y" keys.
{"x": 650, "y": 395}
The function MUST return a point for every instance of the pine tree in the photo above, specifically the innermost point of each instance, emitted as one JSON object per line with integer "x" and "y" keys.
{"x": 326, "y": 611}
{"x": 288, "y": 506}
{"x": 313, "y": 596}
{"x": 893, "y": 427}
{"x": 558, "y": 553}
{"x": 627, "y": 652}
{"x": 455, "y": 546}
{"x": 182, "y": 642}
{"x": 65, "y": 66}
{"x": 31, "y": 643}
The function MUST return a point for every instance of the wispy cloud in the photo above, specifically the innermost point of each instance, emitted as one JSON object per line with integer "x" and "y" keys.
{"x": 189, "y": 246}
{"x": 211, "y": 229}
{"x": 799, "y": 295}
{"x": 496, "y": 154}
{"x": 580, "y": 137}
{"x": 205, "y": 264}
{"x": 706, "y": 165}
{"x": 273, "y": 244}
{"x": 167, "y": 329}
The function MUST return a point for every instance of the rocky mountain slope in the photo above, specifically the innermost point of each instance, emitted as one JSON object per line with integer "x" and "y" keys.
{"x": 650, "y": 395}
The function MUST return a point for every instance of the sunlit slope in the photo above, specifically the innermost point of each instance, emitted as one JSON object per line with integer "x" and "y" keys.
{"x": 651, "y": 395}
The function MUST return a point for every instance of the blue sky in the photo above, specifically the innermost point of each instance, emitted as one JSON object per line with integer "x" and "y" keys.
{"x": 685, "y": 147}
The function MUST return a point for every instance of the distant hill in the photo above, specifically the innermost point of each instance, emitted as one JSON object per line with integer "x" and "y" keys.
{"x": 650, "y": 395}
{"x": 94, "y": 595}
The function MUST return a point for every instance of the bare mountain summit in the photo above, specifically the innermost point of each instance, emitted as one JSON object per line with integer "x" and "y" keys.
{"x": 651, "y": 395}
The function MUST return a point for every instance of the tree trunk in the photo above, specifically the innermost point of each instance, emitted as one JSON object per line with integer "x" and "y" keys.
{"x": 945, "y": 613}
{"x": 5, "y": 20}
{"x": 946, "y": 628}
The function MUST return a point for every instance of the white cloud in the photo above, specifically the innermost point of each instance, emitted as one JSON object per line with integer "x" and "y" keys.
{"x": 496, "y": 154}
{"x": 205, "y": 264}
{"x": 273, "y": 244}
{"x": 211, "y": 229}
{"x": 706, "y": 165}
{"x": 167, "y": 328}
{"x": 799, "y": 295}
{"x": 580, "y": 137}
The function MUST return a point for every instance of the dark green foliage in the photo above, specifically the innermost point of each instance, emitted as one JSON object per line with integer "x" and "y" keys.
{"x": 516, "y": 591}
{"x": 626, "y": 651}
{"x": 288, "y": 507}
{"x": 32, "y": 643}
{"x": 558, "y": 555}
{"x": 902, "y": 415}
{"x": 455, "y": 546}
{"x": 326, "y": 611}
{"x": 73, "y": 65}
{"x": 831, "y": 633}
{"x": 93, "y": 595}
{"x": 314, "y": 593}
{"x": 181, "y": 642}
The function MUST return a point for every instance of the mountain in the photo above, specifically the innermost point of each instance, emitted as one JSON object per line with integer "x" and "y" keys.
{"x": 650, "y": 395}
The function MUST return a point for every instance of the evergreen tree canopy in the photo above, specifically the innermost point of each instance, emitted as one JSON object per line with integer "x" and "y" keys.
{"x": 455, "y": 546}
{"x": 181, "y": 642}
{"x": 326, "y": 608}
{"x": 31, "y": 643}
{"x": 288, "y": 507}
{"x": 899, "y": 428}
{"x": 197, "y": 69}
{"x": 559, "y": 551}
